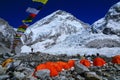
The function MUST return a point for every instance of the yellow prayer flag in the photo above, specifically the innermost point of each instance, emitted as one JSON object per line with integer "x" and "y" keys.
{"x": 42, "y": 1}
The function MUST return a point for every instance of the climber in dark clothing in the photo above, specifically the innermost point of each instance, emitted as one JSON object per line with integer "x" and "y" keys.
{"x": 31, "y": 49}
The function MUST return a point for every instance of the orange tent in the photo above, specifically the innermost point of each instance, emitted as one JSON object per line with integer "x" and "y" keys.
{"x": 41, "y": 66}
{"x": 98, "y": 62}
{"x": 71, "y": 63}
{"x": 116, "y": 59}
{"x": 57, "y": 67}
{"x": 54, "y": 67}
{"x": 64, "y": 65}
{"x": 53, "y": 70}
{"x": 85, "y": 62}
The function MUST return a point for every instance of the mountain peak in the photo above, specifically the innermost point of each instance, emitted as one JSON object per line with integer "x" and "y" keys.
{"x": 110, "y": 24}
{"x": 6, "y": 33}
{"x": 58, "y": 24}
{"x": 117, "y": 5}
{"x": 2, "y": 21}
{"x": 60, "y": 17}
{"x": 60, "y": 12}
{"x": 114, "y": 12}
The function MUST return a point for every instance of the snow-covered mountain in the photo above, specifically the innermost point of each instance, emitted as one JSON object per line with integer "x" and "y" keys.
{"x": 110, "y": 24}
{"x": 88, "y": 44}
{"x": 54, "y": 29}
{"x": 6, "y": 30}
{"x": 6, "y": 35}
{"x": 62, "y": 33}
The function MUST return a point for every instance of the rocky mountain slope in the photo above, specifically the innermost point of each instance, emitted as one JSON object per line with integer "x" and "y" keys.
{"x": 6, "y": 30}
{"x": 6, "y": 36}
{"x": 110, "y": 24}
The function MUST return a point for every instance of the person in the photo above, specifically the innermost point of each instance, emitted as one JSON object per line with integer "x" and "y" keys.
{"x": 97, "y": 54}
{"x": 31, "y": 49}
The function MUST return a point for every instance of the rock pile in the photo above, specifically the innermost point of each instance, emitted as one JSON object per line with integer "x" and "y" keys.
{"x": 23, "y": 66}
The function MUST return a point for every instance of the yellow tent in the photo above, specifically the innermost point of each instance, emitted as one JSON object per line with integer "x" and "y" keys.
{"x": 7, "y": 61}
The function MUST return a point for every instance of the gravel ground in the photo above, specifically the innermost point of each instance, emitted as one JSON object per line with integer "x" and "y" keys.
{"x": 23, "y": 67}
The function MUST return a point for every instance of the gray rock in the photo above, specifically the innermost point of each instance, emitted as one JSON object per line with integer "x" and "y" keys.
{"x": 2, "y": 70}
{"x": 16, "y": 63}
{"x": 43, "y": 74}
{"x": 80, "y": 78}
{"x": 28, "y": 71}
{"x": 4, "y": 77}
{"x": 106, "y": 74}
{"x": 63, "y": 72}
{"x": 56, "y": 78}
{"x": 29, "y": 61}
{"x": 92, "y": 76}
{"x": 113, "y": 78}
{"x": 63, "y": 78}
{"x": 21, "y": 67}
{"x": 7, "y": 55}
{"x": 19, "y": 75}
{"x": 32, "y": 64}
{"x": 117, "y": 67}
{"x": 104, "y": 78}
{"x": 30, "y": 78}
{"x": 79, "y": 68}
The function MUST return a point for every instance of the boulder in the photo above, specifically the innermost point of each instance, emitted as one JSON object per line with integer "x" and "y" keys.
{"x": 19, "y": 75}
{"x": 79, "y": 68}
{"x": 43, "y": 74}
{"x": 2, "y": 70}
{"x": 92, "y": 76}
{"x": 4, "y": 77}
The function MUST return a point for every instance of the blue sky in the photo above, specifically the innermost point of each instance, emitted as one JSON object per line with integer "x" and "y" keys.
{"x": 86, "y": 10}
